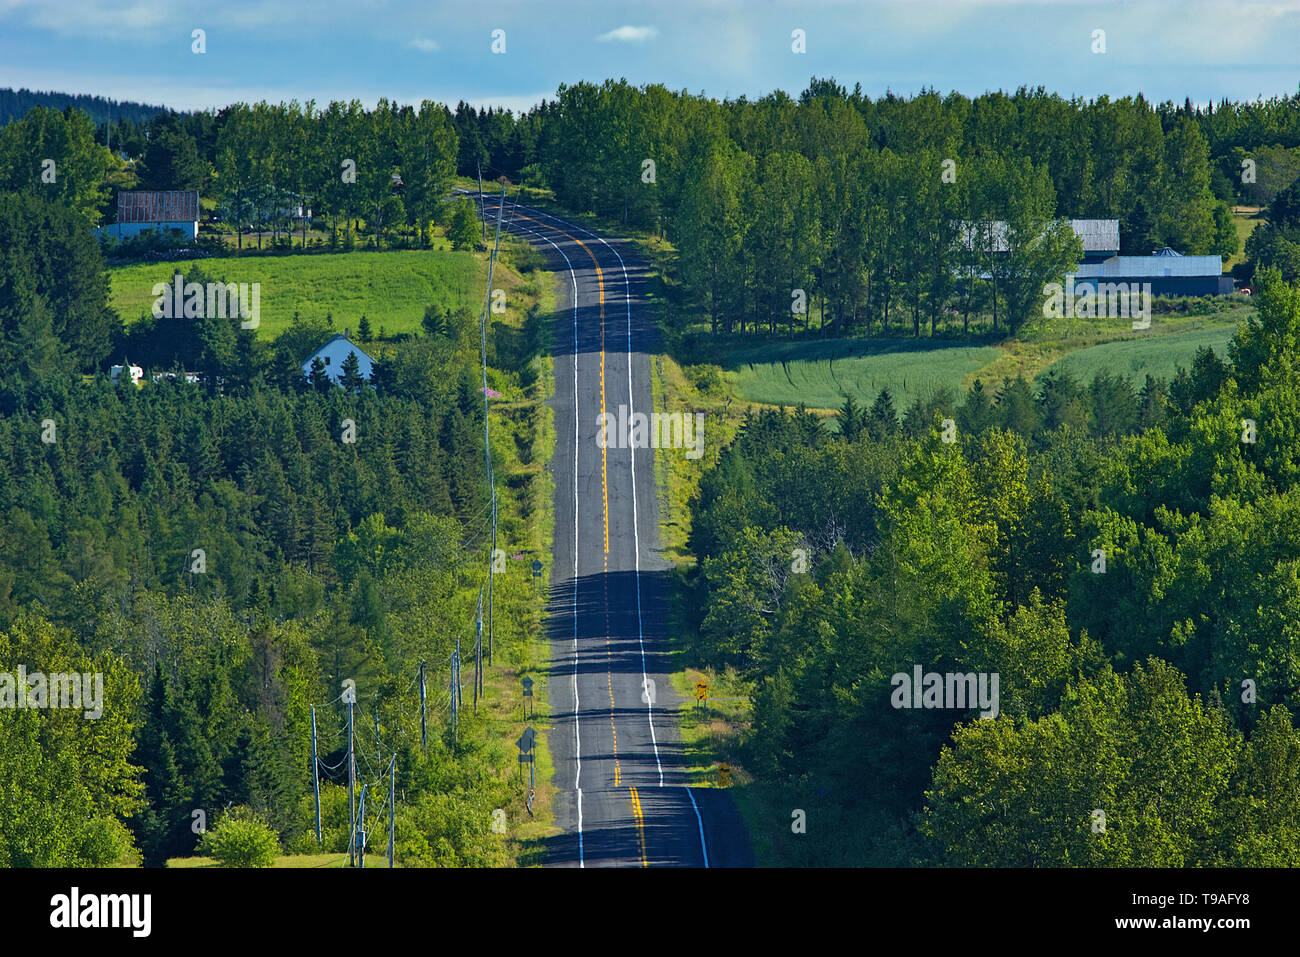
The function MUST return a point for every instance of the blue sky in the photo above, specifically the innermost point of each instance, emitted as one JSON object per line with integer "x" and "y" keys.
{"x": 409, "y": 51}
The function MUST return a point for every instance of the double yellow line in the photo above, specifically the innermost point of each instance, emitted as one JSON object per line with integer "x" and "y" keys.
{"x": 640, "y": 823}
{"x": 600, "y": 283}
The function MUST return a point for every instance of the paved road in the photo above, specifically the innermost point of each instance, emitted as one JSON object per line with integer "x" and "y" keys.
{"x": 621, "y": 797}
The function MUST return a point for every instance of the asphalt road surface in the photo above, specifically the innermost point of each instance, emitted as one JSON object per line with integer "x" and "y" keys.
{"x": 621, "y": 798}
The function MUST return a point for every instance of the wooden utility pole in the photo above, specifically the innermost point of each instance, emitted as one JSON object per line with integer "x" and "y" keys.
{"x": 315, "y": 773}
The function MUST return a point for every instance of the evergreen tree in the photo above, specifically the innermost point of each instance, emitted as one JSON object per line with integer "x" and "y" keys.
{"x": 350, "y": 377}
{"x": 319, "y": 378}
{"x": 850, "y": 419}
{"x": 882, "y": 420}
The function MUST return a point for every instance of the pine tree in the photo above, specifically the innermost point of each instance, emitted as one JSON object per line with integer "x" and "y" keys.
{"x": 351, "y": 378}
{"x": 850, "y": 417}
{"x": 320, "y": 379}
{"x": 882, "y": 420}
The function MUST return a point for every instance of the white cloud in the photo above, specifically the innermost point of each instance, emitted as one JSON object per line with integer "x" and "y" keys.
{"x": 628, "y": 34}
{"x": 425, "y": 45}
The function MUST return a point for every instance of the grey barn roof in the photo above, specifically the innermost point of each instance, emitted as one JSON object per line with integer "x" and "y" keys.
{"x": 1164, "y": 263}
{"x": 158, "y": 206}
{"x": 1098, "y": 235}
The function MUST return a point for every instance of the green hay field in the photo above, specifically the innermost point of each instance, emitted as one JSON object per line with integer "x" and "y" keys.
{"x": 1159, "y": 356}
{"x": 390, "y": 288}
{"x": 820, "y": 374}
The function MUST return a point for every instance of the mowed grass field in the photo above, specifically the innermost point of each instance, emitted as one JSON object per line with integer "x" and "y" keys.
{"x": 820, "y": 374}
{"x": 1159, "y": 356}
{"x": 390, "y": 288}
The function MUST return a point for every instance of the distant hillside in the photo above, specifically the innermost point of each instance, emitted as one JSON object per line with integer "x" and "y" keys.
{"x": 14, "y": 104}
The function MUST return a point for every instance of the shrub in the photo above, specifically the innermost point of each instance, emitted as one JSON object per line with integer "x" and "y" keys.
{"x": 241, "y": 839}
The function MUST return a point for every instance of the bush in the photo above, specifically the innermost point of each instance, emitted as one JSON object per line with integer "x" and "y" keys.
{"x": 707, "y": 377}
{"x": 241, "y": 839}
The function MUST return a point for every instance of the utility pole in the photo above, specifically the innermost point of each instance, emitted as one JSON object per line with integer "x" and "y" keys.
{"x": 360, "y": 837}
{"x": 378, "y": 747}
{"x": 352, "y": 783}
{"x": 424, "y": 738}
{"x": 490, "y": 576}
{"x": 315, "y": 773}
{"x": 482, "y": 218}
{"x": 453, "y": 697}
{"x": 392, "y": 791}
{"x": 478, "y": 651}
{"x": 487, "y": 449}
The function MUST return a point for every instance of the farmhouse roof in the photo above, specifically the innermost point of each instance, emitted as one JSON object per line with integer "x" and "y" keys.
{"x": 158, "y": 206}
{"x": 1165, "y": 263}
{"x": 1098, "y": 235}
{"x": 335, "y": 338}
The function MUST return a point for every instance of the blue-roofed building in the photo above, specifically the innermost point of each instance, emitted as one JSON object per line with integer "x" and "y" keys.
{"x": 1170, "y": 273}
{"x": 334, "y": 352}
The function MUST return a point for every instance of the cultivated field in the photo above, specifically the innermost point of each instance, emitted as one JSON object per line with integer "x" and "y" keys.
{"x": 390, "y": 288}
{"x": 1159, "y": 356}
{"x": 820, "y": 374}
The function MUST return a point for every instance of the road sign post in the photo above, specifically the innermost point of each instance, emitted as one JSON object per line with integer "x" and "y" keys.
{"x": 702, "y": 693}
{"x": 528, "y": 694}
{"x": 525, "y": 745}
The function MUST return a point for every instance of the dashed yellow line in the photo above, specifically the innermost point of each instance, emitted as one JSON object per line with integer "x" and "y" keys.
{"x": 600, "y": 283}
{"x": 604, "y": 457}
{"x": 609, "y": 676}
{"x": 640, "y": 824}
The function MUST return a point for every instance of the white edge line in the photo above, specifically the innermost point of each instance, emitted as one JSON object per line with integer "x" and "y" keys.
{"x": 577, "y": 737}
{"x": 700, "y": 821}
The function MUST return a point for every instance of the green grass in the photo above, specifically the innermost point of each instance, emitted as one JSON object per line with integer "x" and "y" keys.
{"x": 820, "y": 374}
{"x": 1135, "y": 358}
{"x": 390, "y": 288}
{"x": 1244, "y": 220}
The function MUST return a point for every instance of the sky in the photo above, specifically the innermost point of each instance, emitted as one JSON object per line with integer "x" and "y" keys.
{"x": 143, "y": 50}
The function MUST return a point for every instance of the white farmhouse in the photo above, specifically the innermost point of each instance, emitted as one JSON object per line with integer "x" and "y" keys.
{"x": 135, "y": 373}
{"x": 333, "y": 352}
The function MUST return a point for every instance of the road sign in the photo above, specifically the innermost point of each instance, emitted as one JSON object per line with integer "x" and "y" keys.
{"x": 724, "y": 775}
{"x": 525, "y": 741}
{"x": 701, "y": 690}
{"x": 537, "y": 568}
{"x": 528, "y": 686}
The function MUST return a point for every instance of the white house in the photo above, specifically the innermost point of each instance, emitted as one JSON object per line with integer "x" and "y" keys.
{"x": 141, "y": 210}
{"x": 334, "y": 351}
{"x": 135, "y": 372}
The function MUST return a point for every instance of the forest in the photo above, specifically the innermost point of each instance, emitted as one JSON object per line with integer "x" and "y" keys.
{"x": 1127, "y": 563}
{"x": 227, "y": 553}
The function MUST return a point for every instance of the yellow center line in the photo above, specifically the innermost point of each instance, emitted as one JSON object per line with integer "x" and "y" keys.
{"x": 604, "y": 458}
{"x": 604, "y": 490}
{"x": 609, "y": 676}
{"x": 600, "y": 282}
{"x": 640, "y": 824}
